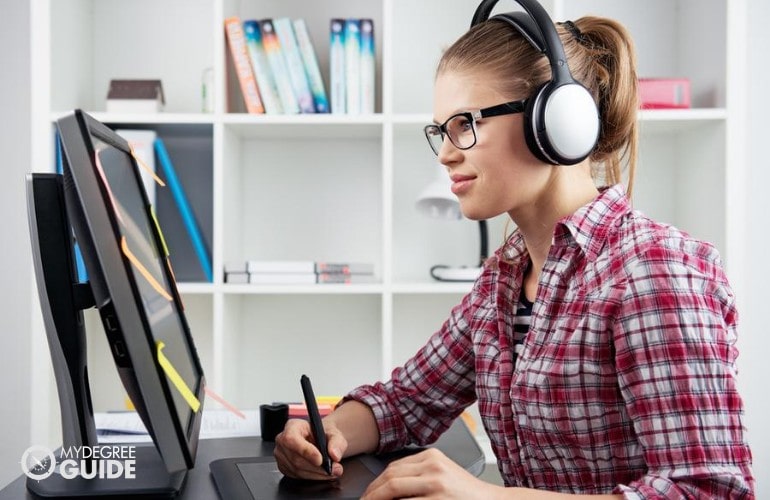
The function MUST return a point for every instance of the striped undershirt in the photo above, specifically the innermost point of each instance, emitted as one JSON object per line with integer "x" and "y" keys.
{"x": 521, "y": 324}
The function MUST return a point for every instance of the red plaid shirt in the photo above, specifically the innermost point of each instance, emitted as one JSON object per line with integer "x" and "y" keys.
{"x": 626, "y": 382}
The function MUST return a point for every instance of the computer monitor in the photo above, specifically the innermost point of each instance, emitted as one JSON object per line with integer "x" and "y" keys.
{"x": 100, "y": 197}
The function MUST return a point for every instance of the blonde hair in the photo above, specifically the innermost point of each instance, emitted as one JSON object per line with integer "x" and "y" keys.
{"x": 601, "y": 56}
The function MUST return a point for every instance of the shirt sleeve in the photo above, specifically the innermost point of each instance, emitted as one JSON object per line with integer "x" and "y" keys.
{"x": 424, "y": 396}
{"x": 675, "y": 353}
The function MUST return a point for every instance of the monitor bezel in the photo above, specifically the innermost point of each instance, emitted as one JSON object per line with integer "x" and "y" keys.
{"x": 117, "y": 296}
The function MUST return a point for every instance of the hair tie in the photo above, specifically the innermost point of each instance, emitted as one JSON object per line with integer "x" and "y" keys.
{"x": 575, "y": 32}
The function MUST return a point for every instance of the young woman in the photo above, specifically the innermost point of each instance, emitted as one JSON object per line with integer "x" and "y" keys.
{"x": 599, "y": 344}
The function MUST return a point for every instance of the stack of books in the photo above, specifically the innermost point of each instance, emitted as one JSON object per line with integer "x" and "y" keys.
{"x": 278, "y": 71}
{"x": 352, "y": 66}
{"x": 276, "y": 66}
{"x": 298, "y": 272}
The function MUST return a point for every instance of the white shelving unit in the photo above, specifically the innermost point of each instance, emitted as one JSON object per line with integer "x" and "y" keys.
{"x": 342, "y": 188}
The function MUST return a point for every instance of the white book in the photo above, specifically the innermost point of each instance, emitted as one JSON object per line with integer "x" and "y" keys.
{"x": 367, "y": 69}
{"x": 312, "y": 70}
{"x": 261, "y": 66}
{"x": 237, "y": 277}
{"x": 295, "y": 66}
{"x": 337, "y": 65}
{"x": 275, "y": 57}
{"x": 281, "y": 266}
{"x": 282, "y": 278}
{"x": 352, "y": 66}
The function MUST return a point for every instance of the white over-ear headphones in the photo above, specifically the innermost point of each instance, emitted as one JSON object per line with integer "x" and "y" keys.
{"x": 561, "y": 120}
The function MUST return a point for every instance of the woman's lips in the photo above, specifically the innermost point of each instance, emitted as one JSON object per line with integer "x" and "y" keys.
{"x": 461, "y": 183}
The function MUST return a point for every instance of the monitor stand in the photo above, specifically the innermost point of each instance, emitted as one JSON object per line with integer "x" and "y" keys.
{"x": 63, "y": 300}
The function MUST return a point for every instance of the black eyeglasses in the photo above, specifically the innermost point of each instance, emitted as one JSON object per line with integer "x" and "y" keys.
{"x": 461, "y": 127}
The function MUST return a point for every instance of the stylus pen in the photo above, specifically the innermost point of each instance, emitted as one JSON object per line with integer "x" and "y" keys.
{"x": 315, "y": 423}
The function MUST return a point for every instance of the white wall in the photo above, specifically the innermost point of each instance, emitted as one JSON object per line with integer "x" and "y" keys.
{"x": 15, "y": 287}
{"x": 754, "y": 361}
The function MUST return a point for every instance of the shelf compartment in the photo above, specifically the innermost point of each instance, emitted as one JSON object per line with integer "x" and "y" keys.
{"x": 94, "y": 41}
{"x": 274, "y": 189}
{"x": 270, "y": 341}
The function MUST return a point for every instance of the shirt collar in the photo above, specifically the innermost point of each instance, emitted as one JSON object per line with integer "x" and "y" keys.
{"x": 587, "y": 227}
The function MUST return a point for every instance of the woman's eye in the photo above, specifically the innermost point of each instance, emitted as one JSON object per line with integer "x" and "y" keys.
{"x": 464, "y": 124}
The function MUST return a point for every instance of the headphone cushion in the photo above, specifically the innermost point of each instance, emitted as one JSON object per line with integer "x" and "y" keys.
{"x": 531, "y": 121}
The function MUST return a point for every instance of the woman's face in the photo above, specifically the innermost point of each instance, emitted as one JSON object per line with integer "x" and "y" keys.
{"x": 498, "y": 174}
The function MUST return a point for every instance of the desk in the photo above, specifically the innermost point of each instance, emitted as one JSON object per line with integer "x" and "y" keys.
{"x": 457, "y": 443}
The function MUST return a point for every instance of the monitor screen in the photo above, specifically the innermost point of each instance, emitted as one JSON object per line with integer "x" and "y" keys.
{"x": 147, "y": 263}
{"x": 133, "y": 285}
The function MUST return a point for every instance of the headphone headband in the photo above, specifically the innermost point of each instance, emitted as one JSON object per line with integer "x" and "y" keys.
{"x": 536, "y": 26}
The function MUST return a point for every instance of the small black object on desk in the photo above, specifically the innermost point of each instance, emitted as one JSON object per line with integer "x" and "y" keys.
{"x": 272, "y": 419}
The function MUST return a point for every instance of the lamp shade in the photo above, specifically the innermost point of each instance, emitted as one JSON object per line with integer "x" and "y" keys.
{"x": 437, "y": 199}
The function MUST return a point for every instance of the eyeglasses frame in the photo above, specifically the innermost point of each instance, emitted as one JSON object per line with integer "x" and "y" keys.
{"x": 506, "y": 108}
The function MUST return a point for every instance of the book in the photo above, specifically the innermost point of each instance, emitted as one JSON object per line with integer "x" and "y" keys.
{"x": 299, "y": 83}
{"x": 664, "y": 93}
{"x": 367, "y": 66}
{"x": 312, "y": 70}
{"x": 261, "y": 67}
{"x": 281, "y": 266}
{"x": 337, "y": 65}
{"x": 185, "y": 210}
{"x": 142, "y": 143}
{"x": 277, "y": 61}
{"x": 345, "y": 279}
{"x": 237, "y": 43}
{"x": 352, "y": 66}
{"x": 282, "y": 278}
{"x": 344, "y": 268}
{"x": 236, "y": 277}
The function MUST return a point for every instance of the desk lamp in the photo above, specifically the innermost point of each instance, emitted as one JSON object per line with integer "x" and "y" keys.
{"x": 438, "y": 201}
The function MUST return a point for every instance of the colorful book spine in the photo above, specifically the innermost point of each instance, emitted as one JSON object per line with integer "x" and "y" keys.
{"x": 275, "y": 57}
{"x": 367, "y": 66}
{"x": 352, "y": 66}
{"x": 337, "y": 65}
{"x": 344, "y": 268}
{"x": 290, "y": 49}
{"x": 188, "y": 217}
{"x": 237, "y": 43}
{"x": 265, "y": 81}
{"x": 312, "y": 70}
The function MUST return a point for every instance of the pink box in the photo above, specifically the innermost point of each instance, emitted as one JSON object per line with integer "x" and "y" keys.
{"x": 664, "y": 93}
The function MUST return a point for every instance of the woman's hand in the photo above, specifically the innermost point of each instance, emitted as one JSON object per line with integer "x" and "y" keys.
{"x": 297, "y": 455}
{"x": 428, "y": 474}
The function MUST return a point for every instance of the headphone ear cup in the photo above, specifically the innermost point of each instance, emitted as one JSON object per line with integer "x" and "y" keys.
{"x": 568, "y": 123}
{"x": 561, "y": 124}
{"x": 531, "y": 124}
